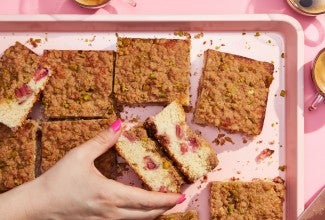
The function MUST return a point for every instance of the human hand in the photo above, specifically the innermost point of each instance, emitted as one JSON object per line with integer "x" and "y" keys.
{"x": 75, "y": 189}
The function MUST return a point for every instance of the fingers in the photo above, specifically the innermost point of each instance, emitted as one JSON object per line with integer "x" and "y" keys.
{"x": 136, "y": 198}
{"x": 103, "y": 141}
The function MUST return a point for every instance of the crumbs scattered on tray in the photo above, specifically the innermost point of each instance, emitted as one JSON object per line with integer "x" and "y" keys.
{"x": 222, "y": 139}
{"x": 244, "y": 140}
{"x": 234, "y": 178}
{"x": 183, "y": 34}
{"x": 205, "y": 42}
{"x": 218, "y": 46}
{"x": 283, "y": 93}
{"x": 34, "y": 42}
{"x": 267, "y": 152}
{"x": 199, "y": 35}
{"x": 247, "y": 46}
{"x": 278, "y": 180}
{"x": 257, "y": 34}
{"x": 282, "y": 168}
{"x": 244, "y": 33}
{"x": 282, "y": 55}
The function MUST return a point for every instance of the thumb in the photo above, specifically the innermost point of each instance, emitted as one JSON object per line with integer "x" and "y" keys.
{"x": 103, "y": 141}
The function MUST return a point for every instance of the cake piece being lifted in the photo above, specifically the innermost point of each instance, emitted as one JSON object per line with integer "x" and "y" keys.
{"x": 259, "y": 199}
{"x": 188, "y": 215}
{"x": 233, "y": 92}
{"x": 59, "y": 137}
{"x": 149, "y": 163}
{"x": 17, "y": 155}
{"x": 152, "y": 71}
{"x": 192, "y": 154}
{"x": 21, "y": 79}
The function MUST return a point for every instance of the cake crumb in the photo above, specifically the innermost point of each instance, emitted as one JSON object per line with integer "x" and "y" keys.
{"x": 264, "y": 154}
{"x": 34, "y": 42}
{"x": 283, "y": 93}
{"x": 282, "y": 168}
{"x": 199, "y": 35}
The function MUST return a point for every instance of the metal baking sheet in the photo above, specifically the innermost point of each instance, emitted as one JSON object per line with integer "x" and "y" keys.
{"x": 266, "y": 37}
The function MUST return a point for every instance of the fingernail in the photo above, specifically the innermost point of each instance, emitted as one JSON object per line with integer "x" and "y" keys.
{"x": 181, "y": 199}
{"x": 116, "y": 126}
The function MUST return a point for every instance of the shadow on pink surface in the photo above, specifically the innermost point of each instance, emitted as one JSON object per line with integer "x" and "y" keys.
{"x": 316, "y": 117}
{"x": 257, "y": 6}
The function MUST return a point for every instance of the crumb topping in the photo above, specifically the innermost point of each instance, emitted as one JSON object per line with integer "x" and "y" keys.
{"x": 17, "y": 155}
{"x": 17, "y": 67}
{"x": 233, "y": 92}
{"x": 80, "y": 85}
{"x": 152, "y": 71}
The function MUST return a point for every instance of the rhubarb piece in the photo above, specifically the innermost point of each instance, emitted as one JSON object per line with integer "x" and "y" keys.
{"x": 149, "y": 163}
{"x": 264, "y": 154}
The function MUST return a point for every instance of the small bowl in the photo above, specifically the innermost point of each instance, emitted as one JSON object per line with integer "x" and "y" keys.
{"x": 92, "y": 4}
{"x": 317, "y": 74}
{"x": 312, "y": 10}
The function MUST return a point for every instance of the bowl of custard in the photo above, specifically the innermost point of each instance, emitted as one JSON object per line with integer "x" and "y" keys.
{"x": 308, "y": 7}
{"x": 318, "y": 76}
{"x": 318, "y": 71}
{"x": 92, "y": 4}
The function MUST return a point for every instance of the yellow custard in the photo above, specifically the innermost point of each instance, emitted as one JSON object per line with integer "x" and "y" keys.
{"x": 92, "y": 2}
{"x": 316, "y": 7}
{"x": 319, "y": 71}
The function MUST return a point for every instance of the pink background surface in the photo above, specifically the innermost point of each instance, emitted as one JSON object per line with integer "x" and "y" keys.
{"x": 314, "y": 28}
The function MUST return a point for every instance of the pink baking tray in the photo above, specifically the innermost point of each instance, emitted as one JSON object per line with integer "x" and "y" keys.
{"x": 277, "y": 34}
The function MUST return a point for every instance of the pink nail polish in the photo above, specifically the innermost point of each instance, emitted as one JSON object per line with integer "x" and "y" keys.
{"x": 181, "y": 199}
{"x": 116, "y": 126}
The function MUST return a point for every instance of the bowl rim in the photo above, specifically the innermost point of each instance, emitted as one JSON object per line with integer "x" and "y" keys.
{"x": 300, "y": 10}
{"x": 91, "y": 6}
{"x": 313, "y": 70}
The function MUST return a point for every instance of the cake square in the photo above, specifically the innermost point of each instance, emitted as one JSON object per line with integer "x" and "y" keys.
{"x": 192, "y": 154}
{"x": 188, "y": 215}
{"x": 152, "y": 71}
{"x": 146, "y": 159}
{"x": 21, "y": 80}
{"x": 247, "y": 200}
{"x": 59, "y": 137}
{"x": 81, "y": 84}
{"x": 17, "y": 155}
{"x": 233, "y": 92}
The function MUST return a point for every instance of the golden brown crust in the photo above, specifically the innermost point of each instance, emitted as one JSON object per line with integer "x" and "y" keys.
{"x": 17, "y": 155}
{"x": 233, "y": 92}
{"x": 17, "y": 67}
{"x": 247, "y": 200}
{"x": 58, "y": 137}
{"x": 188, "y": 215}
{"x": 81, "y": 83}
{"x": 152, "y": 71}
